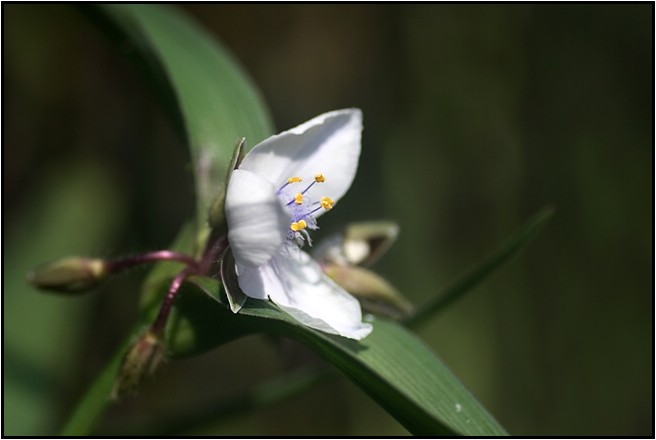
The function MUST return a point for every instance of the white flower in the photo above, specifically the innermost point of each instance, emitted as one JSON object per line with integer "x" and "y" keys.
{"x": 273, "y": 199}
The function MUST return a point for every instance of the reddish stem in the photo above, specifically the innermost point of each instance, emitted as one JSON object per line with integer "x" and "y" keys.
{"x": 202, "y": 267}
{"x": 211, "y": 254}
{"x": 165, "y": 309}
{"x": 151, "y": 257}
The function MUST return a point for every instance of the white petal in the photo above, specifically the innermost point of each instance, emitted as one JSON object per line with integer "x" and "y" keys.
{"x": 328, "y": 144}
{"x": 297, "y": 285}
{"x": 257, "y": 221}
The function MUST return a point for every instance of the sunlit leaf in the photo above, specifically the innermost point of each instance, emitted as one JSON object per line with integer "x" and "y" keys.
{"x": 392, "y": 365}
{"x": 217, "y": 106}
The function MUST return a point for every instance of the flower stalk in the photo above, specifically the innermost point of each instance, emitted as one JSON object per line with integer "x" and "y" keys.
{"x": 149, "y": 351}
{"x": 121, "y": 264}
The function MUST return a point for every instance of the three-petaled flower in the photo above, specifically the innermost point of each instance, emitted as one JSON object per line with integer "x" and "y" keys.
{"x": 275, "y": 196}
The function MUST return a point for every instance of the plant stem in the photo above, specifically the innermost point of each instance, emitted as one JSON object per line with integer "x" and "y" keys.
{"x": 160, "y": 322}
{"x": 212, "y": 252}
{"x": 203, "y": 267}
{"x": 150, "y": 257}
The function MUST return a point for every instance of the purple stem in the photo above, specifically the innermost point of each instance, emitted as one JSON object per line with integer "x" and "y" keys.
{"x": 163, "y": 315}
{"x": 150, "y": 257}
{"x": 203, "y": 267}
{"x": 211, "y": 254}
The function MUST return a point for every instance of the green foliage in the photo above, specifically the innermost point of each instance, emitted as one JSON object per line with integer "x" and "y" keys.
{"x": 90, "y": 407}
{"x": 42, "y": 332}
{"x": 478, "y": 273}
{"x": 217, "y": 105}
{"x": 474, "y": 117}
{"x": 214, "y": 97}
{"x": 392, "y": 365}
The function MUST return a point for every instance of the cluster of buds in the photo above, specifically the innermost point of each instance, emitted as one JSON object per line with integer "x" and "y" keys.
{"x": 345, "y": 258}
{"x": 74, "y": 275}
{"x": 80, "y": 274}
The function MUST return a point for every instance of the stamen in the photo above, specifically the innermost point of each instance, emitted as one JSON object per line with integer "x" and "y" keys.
{"x": 319, "y": 178}
{"x": 298, "y": 199}
{"x": 327, "y": 203}
{"x": 302, "y": 209}
{"x": 293, "y": 179}
{"x": 298, "y": 226}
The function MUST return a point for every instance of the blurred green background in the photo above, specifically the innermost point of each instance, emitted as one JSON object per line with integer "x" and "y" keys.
{"x": 475, "y": 117}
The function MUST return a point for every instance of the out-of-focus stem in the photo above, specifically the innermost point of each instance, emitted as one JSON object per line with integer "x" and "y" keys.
{"x": 150, "y": 257}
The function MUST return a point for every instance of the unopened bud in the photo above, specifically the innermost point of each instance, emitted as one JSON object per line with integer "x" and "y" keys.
{"x": 366, "y": 242}
{"x": 70, "y": 275}
{"x": 140, "y": 363}
{"x": 375, "y": 294}
{"x": 358, "y": 244}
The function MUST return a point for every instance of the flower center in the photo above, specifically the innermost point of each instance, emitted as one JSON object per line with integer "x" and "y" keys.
{"x": 302, "y": 208}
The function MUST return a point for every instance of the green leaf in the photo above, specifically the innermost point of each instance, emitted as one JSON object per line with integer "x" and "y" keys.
{"x": 472, "y": 277}
{"x": 413, "y": 384}
{"x": 90, "y": 407}
{"x": 213, "y": 102}
{"x": 267, "y": 393}
{"x": 218, "y": 106}
{"x": 217, "y": 102}
{"x": 392, "y": 365}
{"x": 71, "y": 208}
{"x": 93, "y": 402}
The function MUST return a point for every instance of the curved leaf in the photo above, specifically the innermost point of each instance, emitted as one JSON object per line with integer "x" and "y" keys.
{"x": 214, "y": 104}
{"x": 392, "y": 365}
{"x": 218, "y": 106}
{"x": 216, "y": 101}
{"x": 93, "y": 402}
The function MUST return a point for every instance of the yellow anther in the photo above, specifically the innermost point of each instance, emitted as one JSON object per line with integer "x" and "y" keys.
{"x": 294, "y": 179}
{"x": 326, "y": 203}
{"x": 319, "y": 178}
{"x": 298, "y": 198}
{"x": 297, "y": 226}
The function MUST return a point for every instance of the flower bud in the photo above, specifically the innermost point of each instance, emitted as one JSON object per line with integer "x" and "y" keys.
{"x": 375, "y": 294}
{"x": 140, "y": 363}
{"x": 366, "y": 242}
{"x": 70, "y": 275}
{"x": 358, "y": 244}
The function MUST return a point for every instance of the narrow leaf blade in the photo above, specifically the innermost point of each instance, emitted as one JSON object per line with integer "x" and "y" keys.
{"x": 212, "y": 101}
{"x": 392, "y": 365}
{"x": 216, "y": 100}
{"x": 475, "y": 275}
